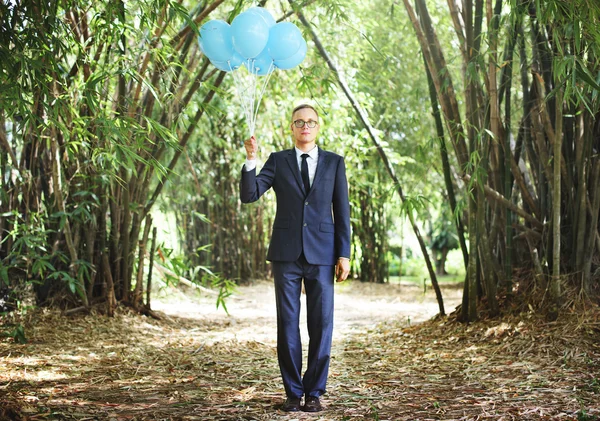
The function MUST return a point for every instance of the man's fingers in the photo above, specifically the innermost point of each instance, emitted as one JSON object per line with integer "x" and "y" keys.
{"x": 342, "y": 274}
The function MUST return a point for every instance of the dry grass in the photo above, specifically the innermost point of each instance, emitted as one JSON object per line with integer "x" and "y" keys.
{"x": 199, "y": 364}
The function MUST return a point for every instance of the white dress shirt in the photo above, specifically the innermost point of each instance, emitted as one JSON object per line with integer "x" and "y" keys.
{"x": 250, "y": 164}
{"x": 311, "y": 161}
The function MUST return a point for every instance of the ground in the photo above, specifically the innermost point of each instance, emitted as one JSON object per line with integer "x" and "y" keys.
{"x": 390, "y": 361}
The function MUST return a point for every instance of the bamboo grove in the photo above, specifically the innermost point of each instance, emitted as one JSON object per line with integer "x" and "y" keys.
{"x": 527, "y": 157}
{"x": 94, "y": 118}
{"x": 103, "y": 103}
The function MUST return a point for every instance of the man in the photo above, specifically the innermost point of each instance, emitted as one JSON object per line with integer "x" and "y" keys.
{"x": 310, "y": 241}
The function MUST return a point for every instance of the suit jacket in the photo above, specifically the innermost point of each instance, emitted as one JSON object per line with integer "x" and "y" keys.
{"x": 317, "y": 223}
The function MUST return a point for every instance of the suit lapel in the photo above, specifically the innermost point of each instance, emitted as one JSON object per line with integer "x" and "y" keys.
{"x": 321, "y": 168}
{"x": 293, "y": 163}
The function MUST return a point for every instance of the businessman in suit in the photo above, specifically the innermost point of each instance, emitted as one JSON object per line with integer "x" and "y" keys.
{"x": 310, "y": 242}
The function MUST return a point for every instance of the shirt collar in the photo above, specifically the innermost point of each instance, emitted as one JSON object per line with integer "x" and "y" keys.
{"x": 313, "y": 153}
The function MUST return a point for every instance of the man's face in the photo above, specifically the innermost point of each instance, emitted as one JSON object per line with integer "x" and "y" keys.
{"x": 305, "y": 135}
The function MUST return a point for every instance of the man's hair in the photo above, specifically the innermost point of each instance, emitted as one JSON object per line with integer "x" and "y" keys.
{"x": 302, "y": 106}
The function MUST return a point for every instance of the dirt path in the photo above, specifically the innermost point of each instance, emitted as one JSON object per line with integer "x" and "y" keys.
{"x": 199, "y": 364}
{"x": 358, "y": 306}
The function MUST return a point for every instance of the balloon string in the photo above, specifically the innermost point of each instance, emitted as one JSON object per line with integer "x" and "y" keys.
{"x": 239, "y": 88}
{"x": 263, "y": 89}
{"x": 250, "y": 92}
{"x": 248, "y": 96}
{"x": 251, "y": 98}
{"x": 254, "y": 78}
{"x": 243, "y": 86}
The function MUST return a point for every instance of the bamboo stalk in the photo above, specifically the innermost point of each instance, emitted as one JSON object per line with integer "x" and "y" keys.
{"x": 150, "y": 266}
{"x": 460, "y": 229}
{"x": 493, "y": 102}
{"x": 593, "y": 228}
{"x": 436, "y": 62}
{"x": 487, "y": 261}
{"x": 4, "y": 141}
{"x": 111, "y": 301}
{"x": 473, "y": 31}
{"x": 125, "y": 250}
{"x": 459, "y": 28}
{"x": 115, "y": 239}
{"x": 555, "y": 291}
{"x": 137, "y": 301}
{"x": 60, "y": 204}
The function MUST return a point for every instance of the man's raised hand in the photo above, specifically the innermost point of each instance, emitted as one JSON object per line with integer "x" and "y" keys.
{"x": 251, "y": 146}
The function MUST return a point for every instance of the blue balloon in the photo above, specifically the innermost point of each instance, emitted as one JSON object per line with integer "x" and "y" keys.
{"x": 250, "y": 34}
{"x": 266, "y": 15}
{"x": 294, "y": 60}
{"x": 261, "y": 65}
{"x": 215, "y": 40}
{"x": 285, "y": 40}
{"x": 233, "y": 64}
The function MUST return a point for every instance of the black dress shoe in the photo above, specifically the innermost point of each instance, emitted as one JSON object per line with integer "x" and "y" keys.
{"x": 291, "y": 405}
{"x": 312, "y": 404}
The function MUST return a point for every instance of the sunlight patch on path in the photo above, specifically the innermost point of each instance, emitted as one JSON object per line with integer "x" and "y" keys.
{"x": 358, "y": 306}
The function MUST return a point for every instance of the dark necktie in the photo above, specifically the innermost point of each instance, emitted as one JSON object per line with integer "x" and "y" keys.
{"x": 304, "y": 172}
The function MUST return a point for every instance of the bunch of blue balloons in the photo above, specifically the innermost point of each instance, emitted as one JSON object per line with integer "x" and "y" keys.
{"x": 253, "y": 40}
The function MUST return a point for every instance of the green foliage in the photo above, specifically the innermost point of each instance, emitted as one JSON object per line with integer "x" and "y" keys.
{"x": 30, "y": 255}
{"x": 414, "y": 205}
{"x": 17, "y": 334}
{"x": 583, "y": 415}
{"x": 443, "y": 233}
{"x": 414, "y": 266}
{"x": 84, "y": 117}
{"x": 183, "y": 267}
{"x": 96, "y": 101}
{"x": 226, "y": 289}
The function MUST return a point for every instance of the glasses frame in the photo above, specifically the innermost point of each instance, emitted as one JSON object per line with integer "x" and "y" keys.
{"x": 305, "y": 123}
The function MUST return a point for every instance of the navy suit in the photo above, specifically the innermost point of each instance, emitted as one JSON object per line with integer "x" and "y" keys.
{"x": 310, "y": 232}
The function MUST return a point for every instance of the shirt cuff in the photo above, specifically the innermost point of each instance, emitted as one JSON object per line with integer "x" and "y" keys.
{"x": 250, "y": 165}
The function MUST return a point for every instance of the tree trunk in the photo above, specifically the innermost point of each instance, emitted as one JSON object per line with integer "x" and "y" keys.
{"x": 556, "y": 203}
{"x": 439, "y": 126}
{"x": 137, "y": 301}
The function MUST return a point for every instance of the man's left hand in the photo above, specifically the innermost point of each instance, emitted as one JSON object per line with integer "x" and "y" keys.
{"x": 342, "y": 269}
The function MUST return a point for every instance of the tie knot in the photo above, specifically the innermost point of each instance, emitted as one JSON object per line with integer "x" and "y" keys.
{"x": 304, "y": 156}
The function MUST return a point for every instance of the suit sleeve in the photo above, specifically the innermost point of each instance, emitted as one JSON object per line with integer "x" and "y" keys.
{"x": 341, "y": 212}
{"x": 253, "y": 186}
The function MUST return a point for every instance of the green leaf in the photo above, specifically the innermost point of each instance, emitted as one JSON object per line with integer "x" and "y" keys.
{"x": 584, "y": 74}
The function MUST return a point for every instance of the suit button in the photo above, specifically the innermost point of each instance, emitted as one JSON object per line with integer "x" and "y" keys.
{"x": 305, "y": 224}
{"x": 306, "y": 204}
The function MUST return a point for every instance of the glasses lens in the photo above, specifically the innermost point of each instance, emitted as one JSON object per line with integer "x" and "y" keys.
{"x": 310, "y": 123}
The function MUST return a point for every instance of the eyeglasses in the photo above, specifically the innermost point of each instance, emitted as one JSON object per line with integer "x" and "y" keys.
{"x": 310, "y": 123}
